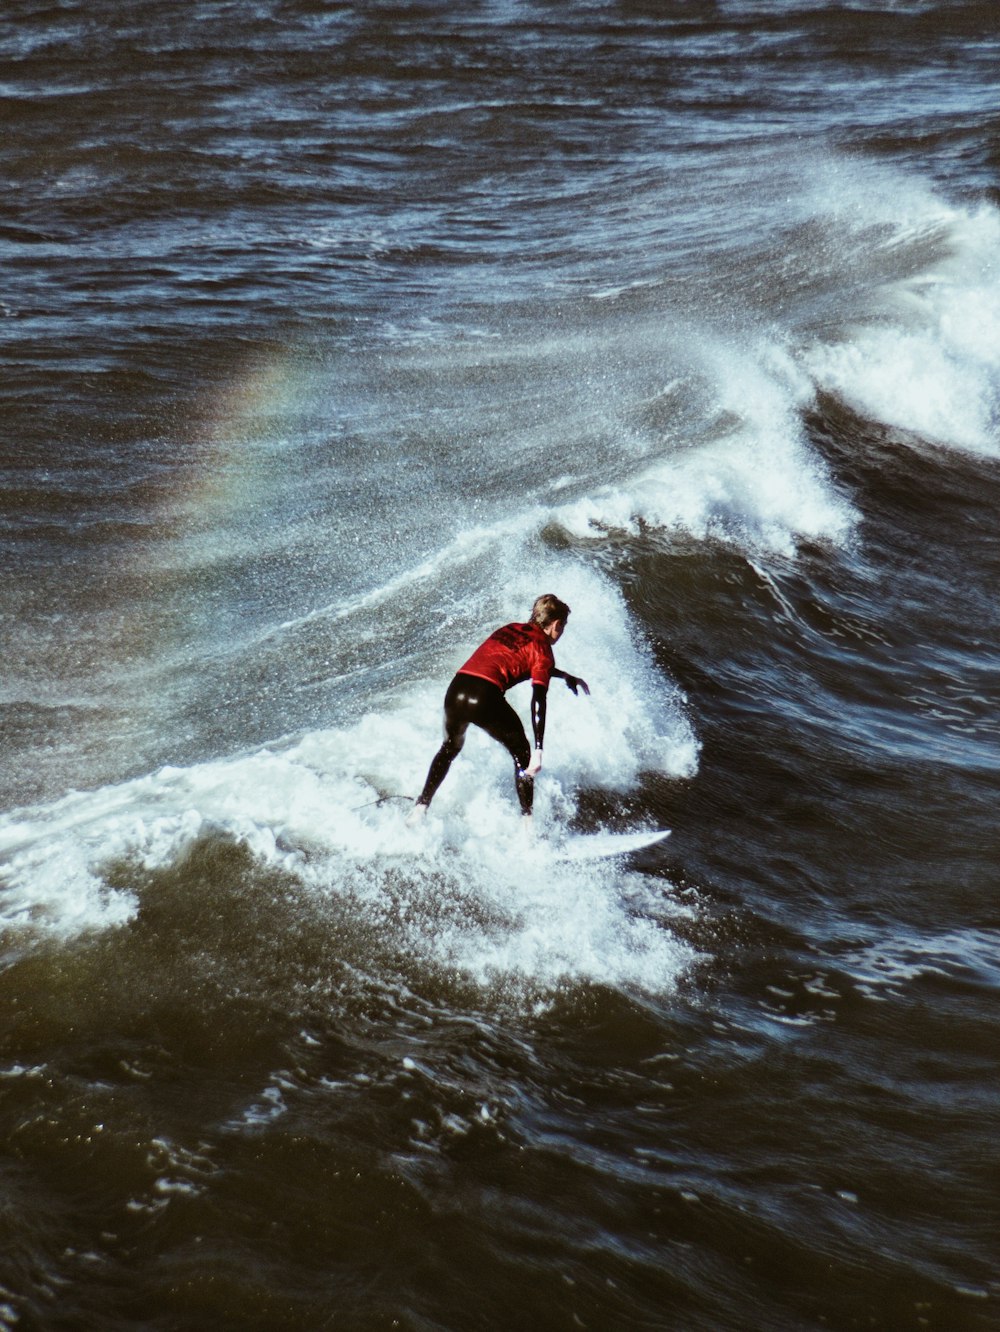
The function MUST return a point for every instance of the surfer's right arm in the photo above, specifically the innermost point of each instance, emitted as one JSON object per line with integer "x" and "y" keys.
{"x": 573, "y": 682}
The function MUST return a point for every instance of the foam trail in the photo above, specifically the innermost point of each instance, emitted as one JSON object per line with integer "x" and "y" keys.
{"x": 891, "y": 963}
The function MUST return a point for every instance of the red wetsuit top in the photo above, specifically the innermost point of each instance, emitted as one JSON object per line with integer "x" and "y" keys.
{"x": 514, "y": 653}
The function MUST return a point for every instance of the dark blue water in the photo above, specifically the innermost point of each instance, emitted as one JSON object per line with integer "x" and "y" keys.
{"x": 333, "y": 335}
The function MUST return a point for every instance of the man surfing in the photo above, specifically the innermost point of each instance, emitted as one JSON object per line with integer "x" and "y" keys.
{"x": 511, "y": 654}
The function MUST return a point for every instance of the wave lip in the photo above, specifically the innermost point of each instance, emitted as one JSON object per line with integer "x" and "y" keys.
{"x": 926, "y": 360}
{"x": 756, "y": 484}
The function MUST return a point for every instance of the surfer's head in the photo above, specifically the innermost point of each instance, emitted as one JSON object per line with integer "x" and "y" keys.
{"x": 548, "y": 609}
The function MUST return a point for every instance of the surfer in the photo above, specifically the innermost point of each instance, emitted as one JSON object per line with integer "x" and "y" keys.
{"x": 511, "y": 654}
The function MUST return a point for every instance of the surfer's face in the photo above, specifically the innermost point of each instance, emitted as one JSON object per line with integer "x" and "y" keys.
{"x": 554, "y": 631}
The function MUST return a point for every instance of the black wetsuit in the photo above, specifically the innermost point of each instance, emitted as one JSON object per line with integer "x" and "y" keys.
{"x": 472, "y": 700}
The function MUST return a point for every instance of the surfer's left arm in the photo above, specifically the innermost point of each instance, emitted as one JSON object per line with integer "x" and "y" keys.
{"x": 539, "y": 700}
{"x": 573, "y": 682}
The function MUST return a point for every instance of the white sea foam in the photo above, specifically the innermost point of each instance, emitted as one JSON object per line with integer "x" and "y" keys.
{"x": 309, "y": 805}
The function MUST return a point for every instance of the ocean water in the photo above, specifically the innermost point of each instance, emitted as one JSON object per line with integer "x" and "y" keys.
{"x": 334, "y": 334}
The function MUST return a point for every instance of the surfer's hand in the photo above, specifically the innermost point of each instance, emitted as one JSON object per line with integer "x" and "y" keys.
{"x": 574, "y": 682}
{"x": 535, "y": 766}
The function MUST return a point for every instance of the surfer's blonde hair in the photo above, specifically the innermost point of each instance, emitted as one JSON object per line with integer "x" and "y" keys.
{"x": 547, "y": 609}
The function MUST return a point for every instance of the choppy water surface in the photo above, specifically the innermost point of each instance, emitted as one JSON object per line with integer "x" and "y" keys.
{"x": 335, "y": 334}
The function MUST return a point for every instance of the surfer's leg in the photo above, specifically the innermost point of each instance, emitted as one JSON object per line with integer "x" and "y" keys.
{"x": 456, "y": 723}
{"x": 525, "y": 787}
{"x": 504, "y": 725}
{"x": 470, "y": 699}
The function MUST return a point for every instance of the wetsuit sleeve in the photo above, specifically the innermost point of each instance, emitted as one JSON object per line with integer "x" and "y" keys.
{"x": 539, "y": 697}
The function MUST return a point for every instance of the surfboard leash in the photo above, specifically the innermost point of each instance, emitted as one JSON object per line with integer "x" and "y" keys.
{"x": 381, "y": 801}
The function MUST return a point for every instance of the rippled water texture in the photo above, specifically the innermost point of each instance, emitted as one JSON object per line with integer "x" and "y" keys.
{"x": 334, "y": 334}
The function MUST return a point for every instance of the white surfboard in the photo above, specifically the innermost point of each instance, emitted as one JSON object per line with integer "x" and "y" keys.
{"x": 601, "y": 845}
